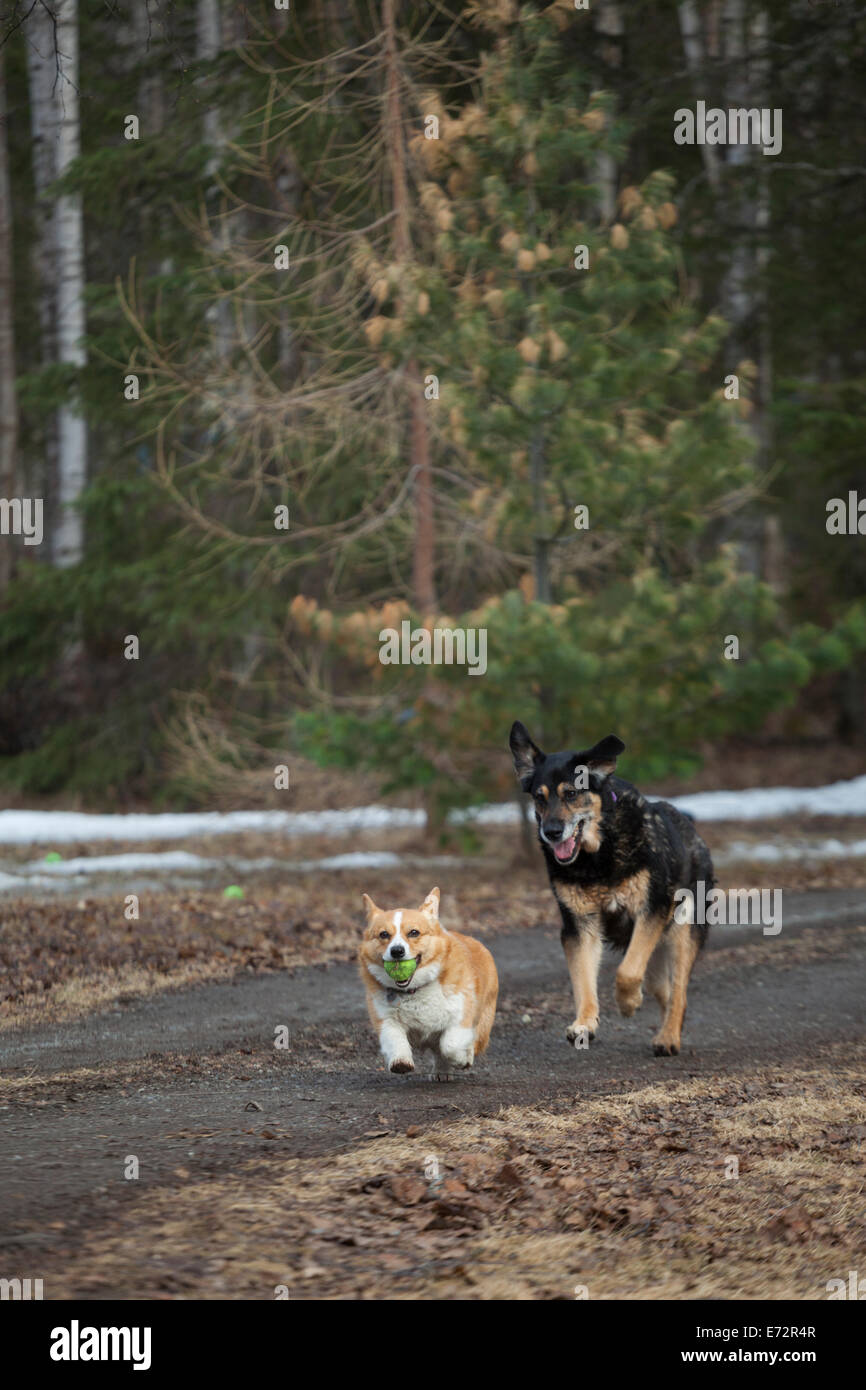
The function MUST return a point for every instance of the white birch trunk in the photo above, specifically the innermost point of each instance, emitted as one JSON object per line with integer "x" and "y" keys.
{"x": 148, "y": 34}
{"x": 208, "y": 34}
{"x": 736, "y": 288}
{"x": 8, "y": 398}
{"x": 41, "y": 74}
{"x": 72, "y": 429}
{"x": 693, "y": 47}
{"x": 209, "y": 43}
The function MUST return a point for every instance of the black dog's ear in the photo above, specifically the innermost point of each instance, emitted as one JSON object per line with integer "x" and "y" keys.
{"x": 525, "y": 753}
{"x": 602, "y": 758}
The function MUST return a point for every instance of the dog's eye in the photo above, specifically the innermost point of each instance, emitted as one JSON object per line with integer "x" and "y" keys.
{"x": 384, "y": 936}
{"x": 414, "y": 932}
{"x": 569, "y": 794}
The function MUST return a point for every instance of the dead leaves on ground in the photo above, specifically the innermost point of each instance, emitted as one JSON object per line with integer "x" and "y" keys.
{"x": 186, "y": 938}
{"x": 628, "y": 1191}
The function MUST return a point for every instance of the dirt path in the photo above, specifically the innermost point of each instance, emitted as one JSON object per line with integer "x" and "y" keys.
{"x": 190, "y": 1083}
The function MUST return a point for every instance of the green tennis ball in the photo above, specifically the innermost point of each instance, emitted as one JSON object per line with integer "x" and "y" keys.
{"x": 54, "y": 857}
{"x": 400, "y": 970}
{"x": 233, "y": 891}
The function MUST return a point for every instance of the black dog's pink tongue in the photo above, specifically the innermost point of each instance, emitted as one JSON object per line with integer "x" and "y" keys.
{"x": 565, "y": 849}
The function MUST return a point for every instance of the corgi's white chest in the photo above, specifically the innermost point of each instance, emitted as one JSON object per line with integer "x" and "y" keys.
{"x": 425, "y": 1014}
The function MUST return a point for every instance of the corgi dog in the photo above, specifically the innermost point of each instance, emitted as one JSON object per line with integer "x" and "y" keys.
{"x": 444, "y": 1002}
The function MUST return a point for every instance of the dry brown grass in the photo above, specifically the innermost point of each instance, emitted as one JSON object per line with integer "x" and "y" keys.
{"x": 625, "y": 1195}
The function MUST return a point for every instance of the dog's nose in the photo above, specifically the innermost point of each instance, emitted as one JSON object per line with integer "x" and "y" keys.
{"x": 554, "y": 829}
{"x": 397, "y": 952}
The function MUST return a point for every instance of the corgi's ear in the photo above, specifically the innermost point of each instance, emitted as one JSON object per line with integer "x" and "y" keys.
{"x": 369, "y": 907}
{"x": 430, "y": 905}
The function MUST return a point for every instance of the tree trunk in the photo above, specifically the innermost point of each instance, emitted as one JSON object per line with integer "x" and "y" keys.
{"x": 743, "y": 292}
{"x": 738, "y": 178}
{"x": 541, "y": 541}
{"x": 759, "y": 69}
{"x": 693, "y": 47}
{"x": 423, "y": 575}
{"x": 737, "y": 284}
{"x": 147, "y": 36}
{"x": 423, "y": 559}
{"x": 8, "y": 398}
{"x": 41, "y": 75}
{"x": 209, "y": 45}
{"x": 71, "y": 326}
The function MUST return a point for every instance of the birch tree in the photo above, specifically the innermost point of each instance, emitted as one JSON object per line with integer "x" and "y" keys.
{"x": 41, "y": 73}
{"x": 52, "y": 47}
{"x": 72, "y": 429}
{"x": 209, "y": 44}
{"x": 8, "y": 399}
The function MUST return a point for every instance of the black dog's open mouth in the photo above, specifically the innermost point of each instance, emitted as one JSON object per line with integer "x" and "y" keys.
{"x": 568, "y": 849}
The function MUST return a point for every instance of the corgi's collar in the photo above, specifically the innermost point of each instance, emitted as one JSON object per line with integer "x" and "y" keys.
{"x": 393, "y": 994}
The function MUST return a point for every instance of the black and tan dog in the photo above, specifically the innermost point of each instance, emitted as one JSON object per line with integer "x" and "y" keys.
{"x": 615, "y": 861}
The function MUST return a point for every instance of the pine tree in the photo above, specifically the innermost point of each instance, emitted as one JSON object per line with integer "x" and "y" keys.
{"x": 583, "y": 403}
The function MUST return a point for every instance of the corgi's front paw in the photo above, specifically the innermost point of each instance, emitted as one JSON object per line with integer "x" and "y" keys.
{"x": 401, "y": 1064}
{"x": 457, "y": 1047}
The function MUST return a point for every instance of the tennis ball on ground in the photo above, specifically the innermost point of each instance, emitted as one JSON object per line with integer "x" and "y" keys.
{"x": 233, "y": 891}
{"x": 53, "y": 857}
{"x": 400, "y": 970}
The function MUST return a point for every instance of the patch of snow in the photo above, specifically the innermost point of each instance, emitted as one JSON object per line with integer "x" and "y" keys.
{"x": 765, "y": 803}
{"x": 777, "y": 853}
{"x": 66, "y": 827}
{"x": 69, "y": 827}
{"x": 9, "y": 882}
{"x": 178, "y": 862}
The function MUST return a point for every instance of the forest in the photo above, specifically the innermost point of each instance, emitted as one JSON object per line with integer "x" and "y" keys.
{"x": 320, "y": 319}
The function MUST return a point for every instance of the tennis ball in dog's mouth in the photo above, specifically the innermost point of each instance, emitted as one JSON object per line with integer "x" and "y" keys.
{"x": 400, "y": 970}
